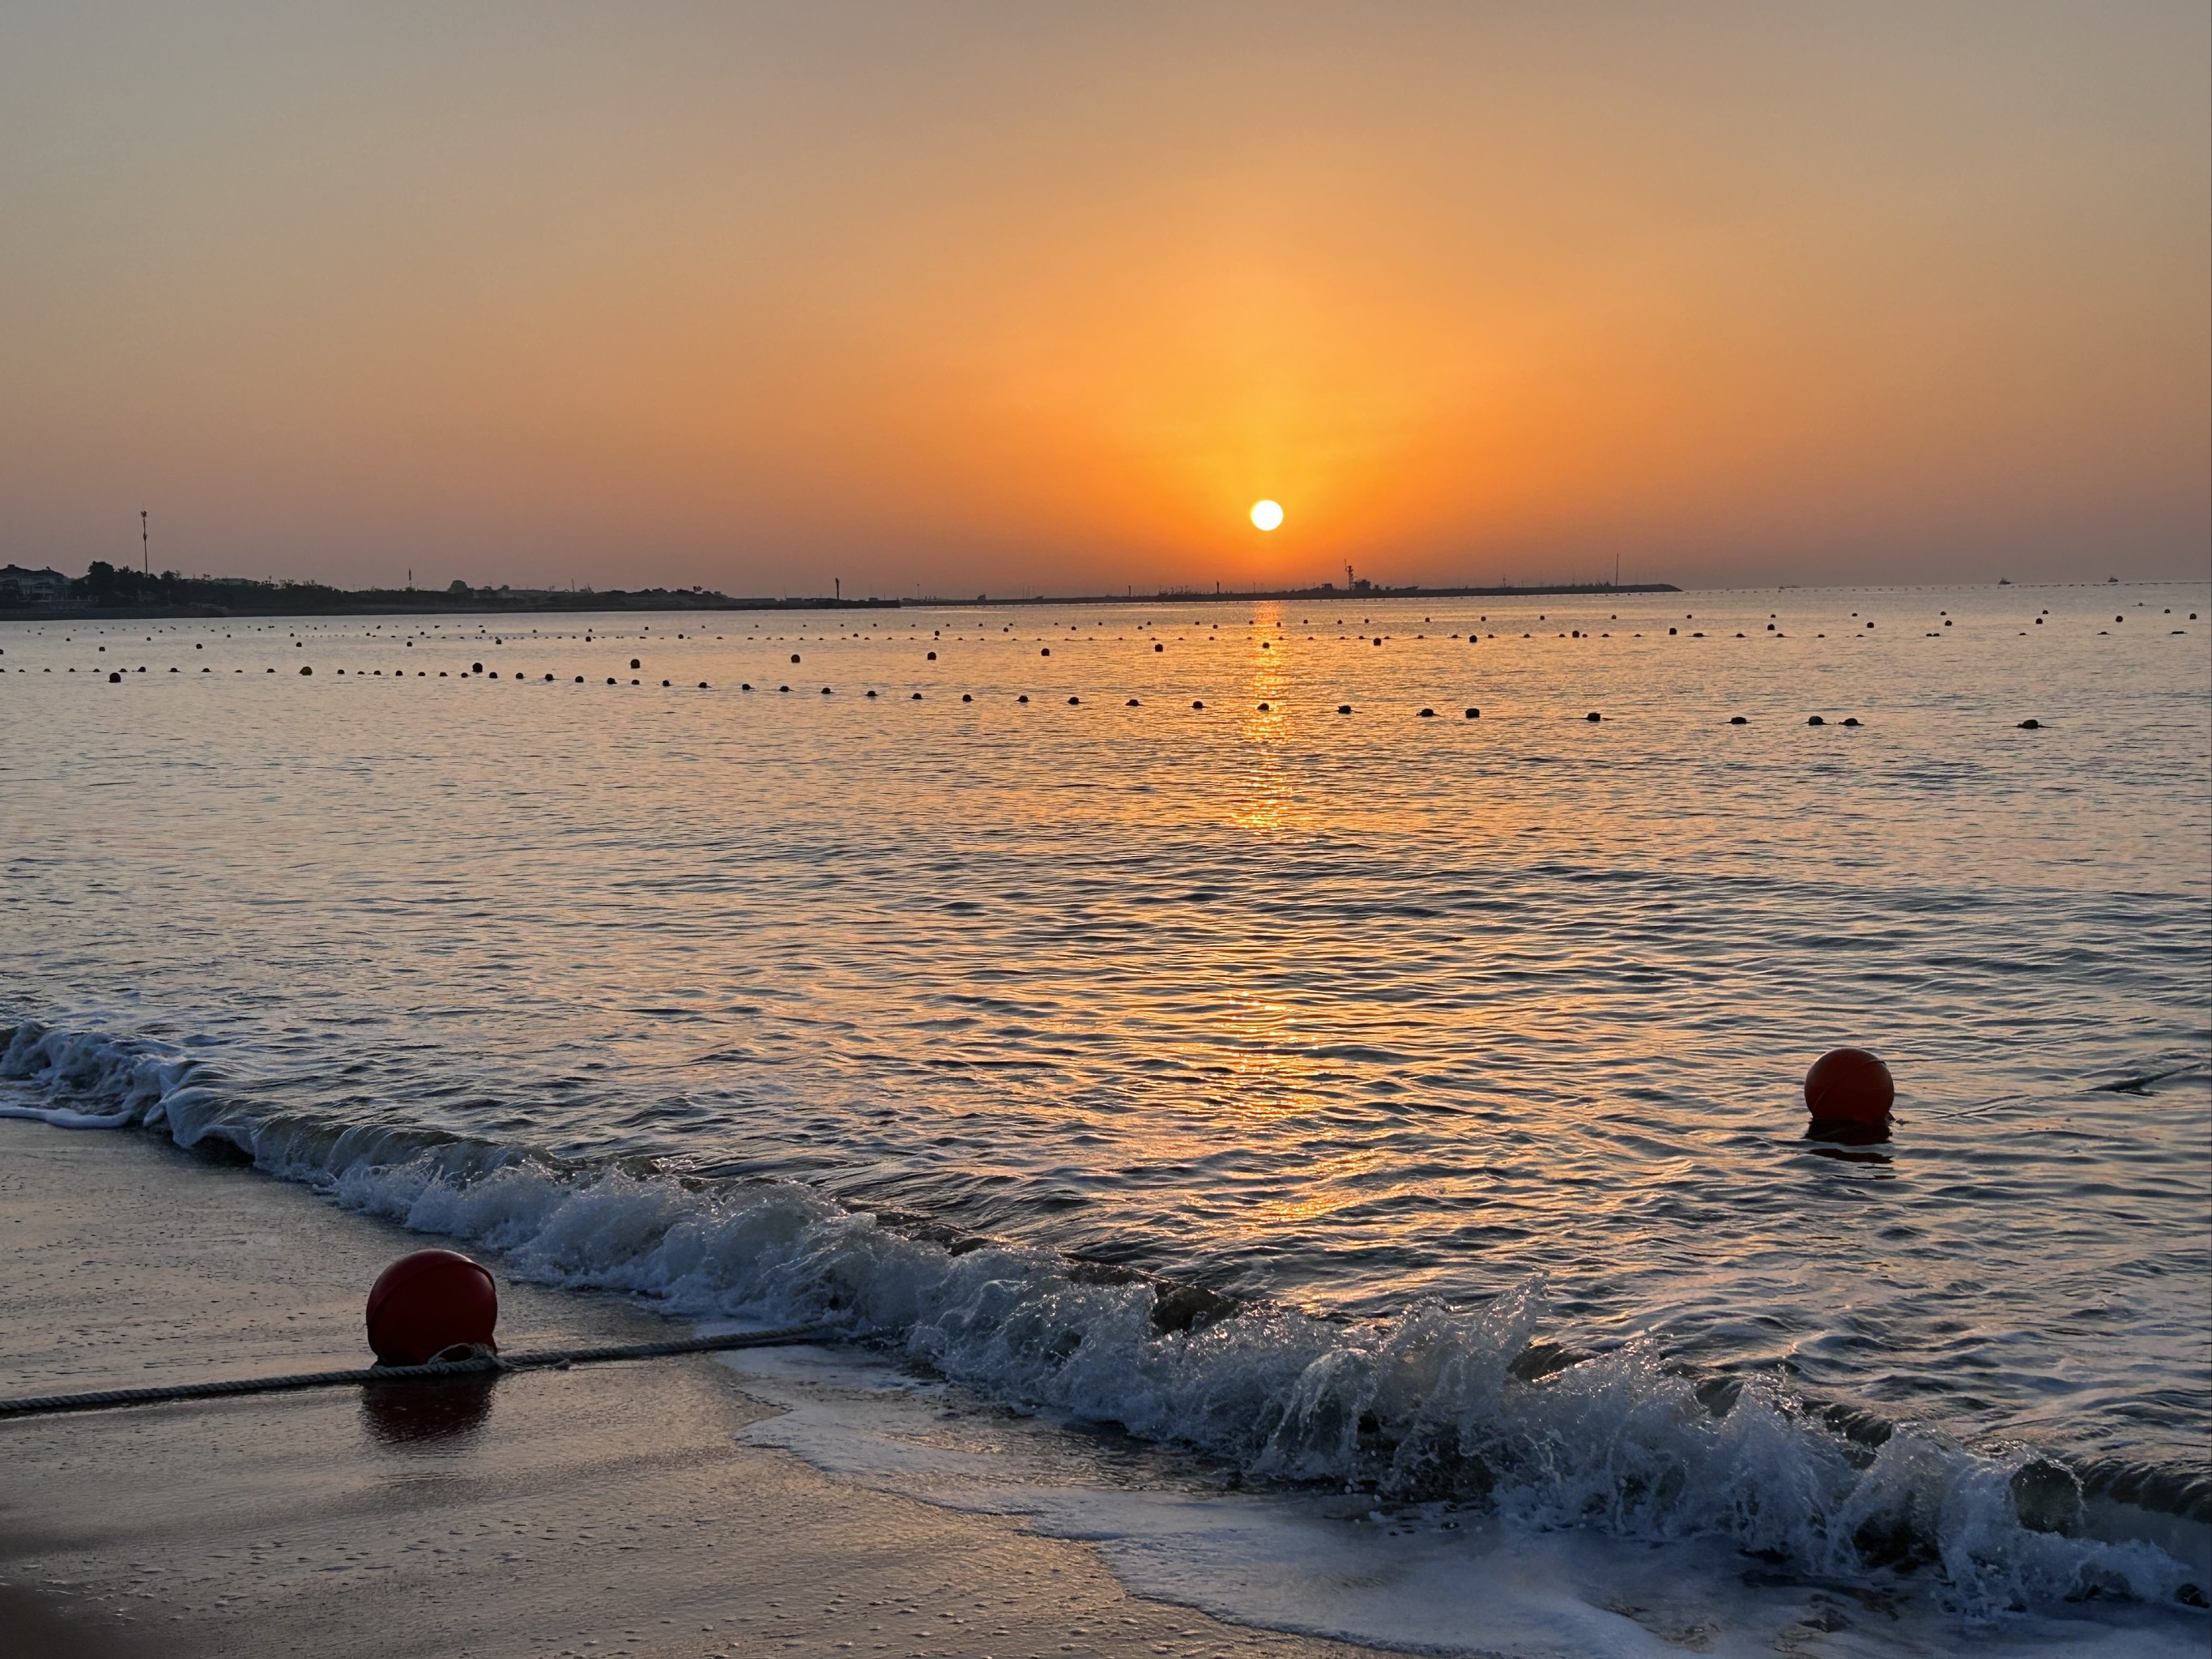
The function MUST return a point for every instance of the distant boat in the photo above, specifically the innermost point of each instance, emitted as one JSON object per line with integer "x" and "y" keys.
{"x": 2004, "y": 582}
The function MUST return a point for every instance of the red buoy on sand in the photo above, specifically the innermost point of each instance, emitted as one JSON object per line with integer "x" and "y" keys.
{"x": 427, "y": 1302}
{"x": 1849, "y": 1085}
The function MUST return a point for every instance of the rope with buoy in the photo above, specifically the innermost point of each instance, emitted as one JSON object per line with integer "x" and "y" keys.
{"x": 478, "y": 1365}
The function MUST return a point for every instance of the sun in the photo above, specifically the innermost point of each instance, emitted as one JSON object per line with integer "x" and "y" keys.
{"x": 1266, "y": 514}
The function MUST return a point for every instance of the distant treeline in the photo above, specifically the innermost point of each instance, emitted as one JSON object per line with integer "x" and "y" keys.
{"x": 118, "y": 591}
{"x": 106, "y": 587}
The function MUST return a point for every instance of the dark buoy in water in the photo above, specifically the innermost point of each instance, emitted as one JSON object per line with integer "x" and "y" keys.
{"x": 1428, "y": 713}
{"x": 1816, "y": 720}
{"x": 933, "y": 656}
{"x": 427, "y": 1302}
{"x": 1850, "y": 720}
{"x": 1738, "y": 720}
{"x": 1075, "y": 702}
{"x": 1047, "y": 651}
{"x": 1593, "y": 716}
{"x": 1159, "y": 647}
{"x": 1850, "y": 1088}
{"x": 1474, "y": 714}
{"x": 1132, "y": 703}
{"x": 1198, "y": 705}
{"x": 1344, "y": 708}
{"x": 2031, "y": 726}
{"x": 115, "y": 679}
{"x": 794, "y": 657}
{"x": 478, "y": 667}
{"x": 304, "y": 669}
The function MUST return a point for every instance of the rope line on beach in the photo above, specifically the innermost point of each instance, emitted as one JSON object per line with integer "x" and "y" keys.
{"x": 488, "y": 1364}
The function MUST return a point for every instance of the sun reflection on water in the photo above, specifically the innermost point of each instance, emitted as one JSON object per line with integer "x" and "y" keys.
{"x": 1264, "y": 799}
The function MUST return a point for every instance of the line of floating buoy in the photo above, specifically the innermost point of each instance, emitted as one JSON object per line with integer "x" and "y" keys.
{"x": 478, "y": 668}
{"x": 1593, "y": 717}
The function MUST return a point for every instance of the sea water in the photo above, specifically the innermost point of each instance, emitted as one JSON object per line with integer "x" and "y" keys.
{"x": 1290, "y": 1040}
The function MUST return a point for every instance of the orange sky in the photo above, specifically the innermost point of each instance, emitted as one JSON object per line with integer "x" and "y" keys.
{"x": 981, "y": 298}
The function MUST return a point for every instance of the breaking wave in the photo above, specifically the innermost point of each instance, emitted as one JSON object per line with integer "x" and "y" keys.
{"x": 1437, "y": 1402}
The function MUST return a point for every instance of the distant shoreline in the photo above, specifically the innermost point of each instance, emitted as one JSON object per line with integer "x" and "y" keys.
{"x": 331, "y": 602}
{"x": 1225, "y": 595}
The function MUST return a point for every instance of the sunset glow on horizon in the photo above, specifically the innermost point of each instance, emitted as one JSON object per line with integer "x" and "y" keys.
{"x": 761, "y": 300}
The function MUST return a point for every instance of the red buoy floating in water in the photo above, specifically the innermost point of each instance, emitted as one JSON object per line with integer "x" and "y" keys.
{"x": 1849, "y": 1086}
{"x": 427, "y": 1302}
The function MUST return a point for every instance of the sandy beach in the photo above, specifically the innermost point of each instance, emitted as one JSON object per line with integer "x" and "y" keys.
{"x": 605, "y": 1510}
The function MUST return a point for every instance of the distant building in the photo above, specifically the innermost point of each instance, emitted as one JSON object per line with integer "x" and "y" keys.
{"x": 21, "y": 589}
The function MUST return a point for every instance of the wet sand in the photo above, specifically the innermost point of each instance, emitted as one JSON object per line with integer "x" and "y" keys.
{"x": 606, "y": 1511}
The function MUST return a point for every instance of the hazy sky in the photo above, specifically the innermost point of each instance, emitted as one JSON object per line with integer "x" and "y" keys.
{"x": 984, "y": 297}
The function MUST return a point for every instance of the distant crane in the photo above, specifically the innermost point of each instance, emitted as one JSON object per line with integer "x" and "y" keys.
{"x": 145, "y": 546}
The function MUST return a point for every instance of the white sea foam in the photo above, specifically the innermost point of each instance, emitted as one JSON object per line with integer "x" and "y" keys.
{"x": 1428, "y": 1407}
{"x": 1431, "y": 1577}
{"x": 43, "y": 1071}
